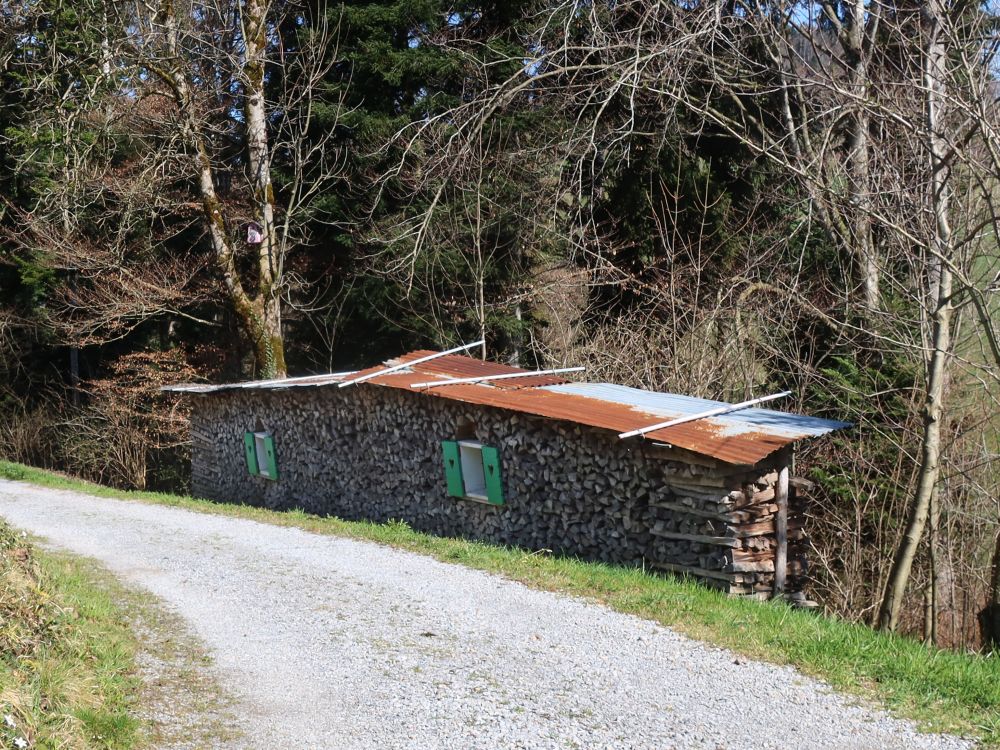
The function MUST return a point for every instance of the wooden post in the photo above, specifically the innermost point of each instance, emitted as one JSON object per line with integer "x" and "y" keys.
{"x": 491, "y": 378}
{"x": 781, "y": 532}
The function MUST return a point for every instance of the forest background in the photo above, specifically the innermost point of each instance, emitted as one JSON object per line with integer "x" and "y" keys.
{"x": 720, "y": 199}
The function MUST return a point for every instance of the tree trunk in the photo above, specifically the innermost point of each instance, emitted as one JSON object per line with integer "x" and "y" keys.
{"x": 930, "y": 457}
{"x": 260, "y": 316}
{"x": 268, "y": 341}
{"x": 932, "y": 594}
{"x": 989, "y": 618}
{"x": 868, "y": 267}
{"x": 859, "y": 164}
{"x": 269, "y": 349}
{"x": 930, "y": 449}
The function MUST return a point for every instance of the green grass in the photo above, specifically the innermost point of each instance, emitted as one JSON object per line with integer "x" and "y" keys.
{"x": 67, "y": 657}
{"x": 943, "y": 691}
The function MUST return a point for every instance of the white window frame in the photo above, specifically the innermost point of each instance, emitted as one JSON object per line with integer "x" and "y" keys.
{"x": 470, "y": 453}
{"x": 260, "y": 449}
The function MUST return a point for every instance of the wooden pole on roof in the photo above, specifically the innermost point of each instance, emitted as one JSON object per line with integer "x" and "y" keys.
{"x": 297, "y": 379}
{"x": 718, "y": 411}
{"x": 505, "y": 376}
{"x": 404, "y": 365}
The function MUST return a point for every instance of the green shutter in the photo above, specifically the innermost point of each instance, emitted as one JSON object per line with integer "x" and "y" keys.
{"x": 491, "y": 469}
{"x": 270, "y": 458}
{"x": 453, "y": 468}
{"x": 250, "y": 449}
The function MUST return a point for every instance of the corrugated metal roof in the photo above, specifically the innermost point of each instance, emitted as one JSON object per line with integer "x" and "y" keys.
{"x": 705, "y": 437}
{"x": 669, "y": 406}
{"x": 745, "y": 437}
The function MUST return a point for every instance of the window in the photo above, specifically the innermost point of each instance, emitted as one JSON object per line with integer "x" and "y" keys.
{"x": 472, "y": 471}
{"x": 261, "y": 458}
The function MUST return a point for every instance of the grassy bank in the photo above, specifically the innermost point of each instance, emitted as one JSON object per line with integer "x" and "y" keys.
{"x": 66, "y": 653}
{"x": 942, "y": 690}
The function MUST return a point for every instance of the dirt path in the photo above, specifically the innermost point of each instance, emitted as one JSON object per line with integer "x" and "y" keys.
{"x": 330, "y": 643}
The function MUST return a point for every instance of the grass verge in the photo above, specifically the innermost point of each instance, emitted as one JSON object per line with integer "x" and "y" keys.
{"x": 67, "y": 677}
{"x": 941, "y": 690}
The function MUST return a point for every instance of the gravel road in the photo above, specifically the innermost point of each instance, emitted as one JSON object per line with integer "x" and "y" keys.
{"x": 331, "y": 643}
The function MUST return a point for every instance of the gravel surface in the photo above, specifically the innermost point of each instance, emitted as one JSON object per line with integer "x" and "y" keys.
{"x": 331, "y": 643}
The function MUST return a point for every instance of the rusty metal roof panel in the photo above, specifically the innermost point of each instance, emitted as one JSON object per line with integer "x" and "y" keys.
{"x": 737, "y": 446}
{"x": 669, "y": 406}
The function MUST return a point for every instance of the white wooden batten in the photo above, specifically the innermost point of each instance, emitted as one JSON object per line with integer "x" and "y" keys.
{"x": 486, "y": 378}
{"x": 718, "y": 411}
{"x": 404, "y": 365}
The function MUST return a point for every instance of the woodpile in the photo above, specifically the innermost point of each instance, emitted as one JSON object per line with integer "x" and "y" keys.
{"x": 373, "y": 453}
{"x": 730, "y": 536}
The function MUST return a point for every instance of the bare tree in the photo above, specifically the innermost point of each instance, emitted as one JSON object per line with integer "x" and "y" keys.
{"x": 880, "y": 118}
{"x": 213, "y": 62}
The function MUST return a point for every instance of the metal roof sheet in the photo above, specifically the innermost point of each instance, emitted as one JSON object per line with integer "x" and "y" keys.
{"x": 669, "y": 405}
{"x": 280, "y": 384}
{"x": 745, "y": 437}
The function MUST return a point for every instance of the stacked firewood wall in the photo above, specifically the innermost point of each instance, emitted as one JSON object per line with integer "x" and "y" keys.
{"x": 724, "y": 528}
{"x": 375, "y": 453}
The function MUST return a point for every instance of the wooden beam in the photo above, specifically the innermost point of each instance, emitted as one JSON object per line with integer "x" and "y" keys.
{"x": 718, "y": 411}
{"x": 404, "y": 365}
{"x": 688, "y": 510}
{"x": 800, "y": 483}
{"x": 721, "y": 541}
{"x": 781, "y": 532}
{"x": 505, "y": 376}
